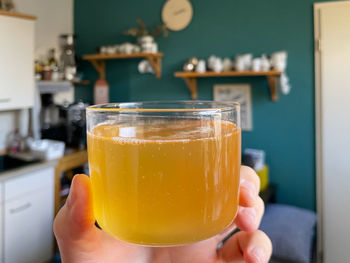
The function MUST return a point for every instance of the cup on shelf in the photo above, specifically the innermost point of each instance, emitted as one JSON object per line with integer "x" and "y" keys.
{"x": 136, "y": 49}
{"x": 256, "y": 64}
{"x": 265, "y": 63}
{"x": 215, "y": 64}
{"x": 103, "y": 50}
{"x": 227, "y": 63}
{"x": 201, "y": 67}
{"x": 154, "y": 48}
{"x": 211, "y": 61}
{"x": 188, "y": 67}
{"x": 128, "y": 48}
{"x": 279, "y": 60}
{"x": 239, "y": 63}
{"x": 218, "y": 66}
{"x": 111, "y": 50}
{"x": 145, "y": 40}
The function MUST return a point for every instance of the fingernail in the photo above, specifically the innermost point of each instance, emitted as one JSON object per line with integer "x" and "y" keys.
{"x": 249, "y": 186}
{"x": 258, "y": 254}
{"x": 249, "y": 213}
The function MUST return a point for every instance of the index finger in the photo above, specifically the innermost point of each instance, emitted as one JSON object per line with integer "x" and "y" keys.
{"x": 249, "y": 186}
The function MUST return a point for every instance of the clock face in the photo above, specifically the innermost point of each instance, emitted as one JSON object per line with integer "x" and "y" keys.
{"x": 177, "y": 14}
{"x": 237, "y": 93}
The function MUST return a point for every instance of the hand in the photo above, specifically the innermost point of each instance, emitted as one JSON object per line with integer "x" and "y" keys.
{"x": 81, "y": 242}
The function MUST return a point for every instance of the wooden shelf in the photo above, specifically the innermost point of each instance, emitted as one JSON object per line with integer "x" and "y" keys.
{"x": 191, "y": 79}
{"x": 81, "y": 82}
{"x": 19, "y": 15}
{"x": 98, "y": 61}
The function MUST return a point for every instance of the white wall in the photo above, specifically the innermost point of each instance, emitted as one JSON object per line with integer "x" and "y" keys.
{"x": 8, "y": 122}
{"x": 55, "y": 17}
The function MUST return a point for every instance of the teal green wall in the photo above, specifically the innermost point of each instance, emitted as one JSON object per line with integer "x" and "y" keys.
{"x": 284, "y": 129}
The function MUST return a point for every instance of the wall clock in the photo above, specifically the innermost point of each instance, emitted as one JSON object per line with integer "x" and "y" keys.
{"x": 238, "y": 93}
{"x": 177, "y": 14}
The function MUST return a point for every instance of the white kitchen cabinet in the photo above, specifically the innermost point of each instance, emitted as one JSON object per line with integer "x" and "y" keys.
{"x": 28, "y": 211}
{"x": 28, "y": 228}
{"x": 17, "y": 62}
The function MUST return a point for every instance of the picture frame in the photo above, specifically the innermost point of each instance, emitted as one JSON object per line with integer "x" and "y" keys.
{"x": 240, "y": 93}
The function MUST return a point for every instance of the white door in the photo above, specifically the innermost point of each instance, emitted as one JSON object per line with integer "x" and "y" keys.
{"x": 332, "y": 64}
{"x": 28, "y": 228}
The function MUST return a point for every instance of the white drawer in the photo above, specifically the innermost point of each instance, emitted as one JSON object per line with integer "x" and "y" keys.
{"x": 29, "y": 182}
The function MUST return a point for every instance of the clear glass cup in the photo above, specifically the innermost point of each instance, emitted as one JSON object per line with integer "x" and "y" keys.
{"x": 165, "y": 172}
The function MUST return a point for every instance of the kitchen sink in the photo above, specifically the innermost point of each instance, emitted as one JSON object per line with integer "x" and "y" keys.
{"x": 8, "y": 162}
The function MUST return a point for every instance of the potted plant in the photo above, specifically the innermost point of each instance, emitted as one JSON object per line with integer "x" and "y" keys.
{"x": 145, "y": 38}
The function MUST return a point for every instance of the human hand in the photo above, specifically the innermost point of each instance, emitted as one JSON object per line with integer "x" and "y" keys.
{"x": 81, "y": 242}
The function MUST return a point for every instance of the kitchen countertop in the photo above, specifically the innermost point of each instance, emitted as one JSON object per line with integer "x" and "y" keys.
{"x": 26, "y": 169}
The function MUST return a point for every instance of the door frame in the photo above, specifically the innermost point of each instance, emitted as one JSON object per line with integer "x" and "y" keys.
{"x": 318, "y": 122}
{"x": 318, "y": 131}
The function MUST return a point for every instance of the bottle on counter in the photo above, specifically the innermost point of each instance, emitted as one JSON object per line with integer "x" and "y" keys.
{"x": 15, "y": 142}
{"x": 52, "y": 61}
{"x": 53, "y": 64}
{"x": 46, "y": 73}
{"x": 38, "y": 69}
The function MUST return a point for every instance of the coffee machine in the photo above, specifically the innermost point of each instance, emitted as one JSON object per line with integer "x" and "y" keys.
{"x": 52, "y": 121}
{"x": 67, "y": 58}
{"x": 76, "y": 125}
{"x": 65, "y": 122}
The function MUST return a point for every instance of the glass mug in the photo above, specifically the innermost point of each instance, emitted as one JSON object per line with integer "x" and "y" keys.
{"x": 164, "y": 173}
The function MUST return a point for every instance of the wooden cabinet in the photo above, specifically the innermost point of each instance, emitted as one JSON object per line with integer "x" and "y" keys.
{"x": 27, "y": 217}
{"x": 16, "y": 62}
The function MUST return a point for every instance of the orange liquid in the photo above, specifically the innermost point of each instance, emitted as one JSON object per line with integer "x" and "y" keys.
{"x": 165, "y": 183}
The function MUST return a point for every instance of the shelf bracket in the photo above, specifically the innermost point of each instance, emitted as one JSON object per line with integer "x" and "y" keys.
{"x": 272, "y": 80}
{"x": 156, "y": 63}
{"x": 100, "y": 66}
{"x": 192, "y": 86}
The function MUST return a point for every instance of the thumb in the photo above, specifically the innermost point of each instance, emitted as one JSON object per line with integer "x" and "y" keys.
{"x": 75, "y": 220}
